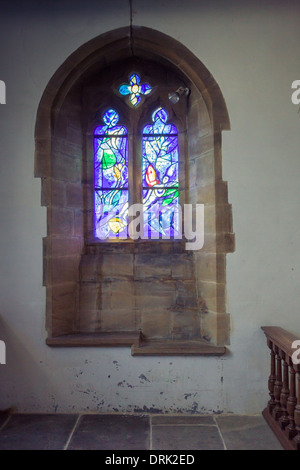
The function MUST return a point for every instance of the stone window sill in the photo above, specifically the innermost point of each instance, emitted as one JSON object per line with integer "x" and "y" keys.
{"x": 135, "y": 246}
{"x": 139, "y": 346}
{"x": 176, "y": 348}
{"x": 95, "y": 339}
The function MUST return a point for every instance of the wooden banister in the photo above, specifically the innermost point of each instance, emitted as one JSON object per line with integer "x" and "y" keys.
{"x": 281, "y": 338}
{"x": 282, "y": 412}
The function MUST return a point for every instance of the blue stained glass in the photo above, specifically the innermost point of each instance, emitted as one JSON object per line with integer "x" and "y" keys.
{"x": 111, "y": 177}
{"x": 160, "y": 126}
{"x": 111, "y": 213}
{"x": 162, "y": 216}
{"x": 111, "y": 162}
{"x": 145, "y": 89}
{"x": 134, "y": 79}
{"x": 125, "y": 90}
{"x": 134, "y": 89}
{"x": 160, "y": 177}
{"x": 135, "y": 98}
{"x": 111, "y": 118}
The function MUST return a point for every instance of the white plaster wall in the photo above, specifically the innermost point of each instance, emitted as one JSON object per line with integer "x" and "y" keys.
{"x": 252, "y": 50}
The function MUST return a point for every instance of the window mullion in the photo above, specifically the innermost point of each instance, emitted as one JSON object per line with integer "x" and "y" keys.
{"x": 131, "y": 184}
{"x": 136, "y": 167}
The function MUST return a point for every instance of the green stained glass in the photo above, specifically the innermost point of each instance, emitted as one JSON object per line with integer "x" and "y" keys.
{"x": 108, "y": 159}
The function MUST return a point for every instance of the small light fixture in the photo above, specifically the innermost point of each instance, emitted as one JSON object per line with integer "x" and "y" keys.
{"x": 174, "y": 96}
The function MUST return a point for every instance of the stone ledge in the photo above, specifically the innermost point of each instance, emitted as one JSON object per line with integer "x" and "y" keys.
{"x": 95, "y": 339}
{"x": 176, "y": 348}
{"x": 96, "y": 246}
{"x": 139, "y": 346}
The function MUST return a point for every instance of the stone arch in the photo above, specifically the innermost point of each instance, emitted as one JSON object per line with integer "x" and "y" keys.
{"x": 59, "y": 157}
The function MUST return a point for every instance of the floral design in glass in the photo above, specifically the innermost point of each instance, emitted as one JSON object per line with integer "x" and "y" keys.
{"x": 135, "y": 89}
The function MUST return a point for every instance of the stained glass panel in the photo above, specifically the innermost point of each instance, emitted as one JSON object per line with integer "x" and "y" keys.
{"x": 111, "y": 165}
{"x": 111, "y": 213}
{"x": 161, "y": 215}
{"x": 111, "y": 178}
{"x": 160, "y": 178}
{"x": 135, "y": 89}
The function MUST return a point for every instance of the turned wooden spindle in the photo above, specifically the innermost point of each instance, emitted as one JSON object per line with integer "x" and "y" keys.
{"x": 283, "y": 410}
{"x": 291, "y": 403}
{"x": 297, "y": 410}
{"x": 284, "y": 420}
{"x": 277, "y": 411}
{"x": 272, "y": 378}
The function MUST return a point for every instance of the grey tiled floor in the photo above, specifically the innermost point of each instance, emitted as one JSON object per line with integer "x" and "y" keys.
{"x": 135, "y": 432}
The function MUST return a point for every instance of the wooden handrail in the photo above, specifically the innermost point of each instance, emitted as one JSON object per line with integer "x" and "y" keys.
{"x": 283, "y": 409}
{"x": 282, "y": 338}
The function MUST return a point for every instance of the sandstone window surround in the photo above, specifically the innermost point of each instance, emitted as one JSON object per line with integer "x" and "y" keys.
{"x": 155, "y": 297}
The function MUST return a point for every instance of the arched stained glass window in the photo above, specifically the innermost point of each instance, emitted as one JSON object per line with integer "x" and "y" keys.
{"x": 111, "y": 178}
{"x": 160, "y": 178}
